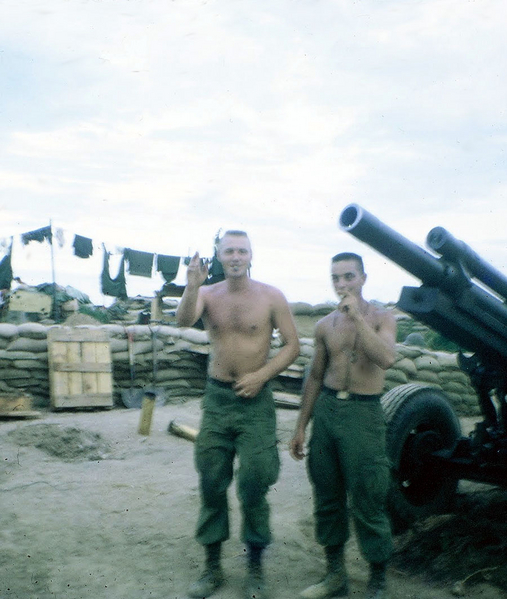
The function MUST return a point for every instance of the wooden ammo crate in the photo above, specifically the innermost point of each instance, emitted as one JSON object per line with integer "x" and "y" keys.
{"x": 79, "y": 368}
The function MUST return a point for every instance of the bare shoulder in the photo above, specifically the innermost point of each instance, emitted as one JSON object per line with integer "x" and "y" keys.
{"x": 325, "y": 325}
{"x": 381, "y": 315}
{"x": 268, "y": 291}
{"x": 212, "y": 291}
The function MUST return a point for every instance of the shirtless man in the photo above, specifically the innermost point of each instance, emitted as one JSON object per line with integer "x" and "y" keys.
{"x": 240, "y": 315}
{"x": 354, "y": 345}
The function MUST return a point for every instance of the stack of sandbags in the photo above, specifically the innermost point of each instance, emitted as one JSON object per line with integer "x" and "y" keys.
{"x": 439, "y": 369}
{"x": 24, "y": 360}
{"x": 166, "y": 357}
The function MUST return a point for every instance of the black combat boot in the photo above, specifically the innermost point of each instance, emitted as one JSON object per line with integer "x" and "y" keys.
{"x": 255, "y": 586}
{"x": 335, "y": 583}
{"x": 212, "y": 578}
{"x": 377, "y": 586}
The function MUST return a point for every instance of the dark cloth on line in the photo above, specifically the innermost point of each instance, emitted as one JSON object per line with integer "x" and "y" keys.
{"x": 38, "y": 235}
{"x": 216, "y": 272}
{"x": 114, "y": 287}
{"x": 140, "y": 263}
{"x": 83, "y": 247}
{"x": 6, "y": 270}
{"x": 168, "y": 266}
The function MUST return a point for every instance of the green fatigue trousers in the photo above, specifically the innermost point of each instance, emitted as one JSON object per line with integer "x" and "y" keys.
{"x": 347, "y": 458}
{"x": 232, "y": 426}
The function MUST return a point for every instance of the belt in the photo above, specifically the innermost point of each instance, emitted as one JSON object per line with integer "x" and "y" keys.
{"x": 348, "y": 396}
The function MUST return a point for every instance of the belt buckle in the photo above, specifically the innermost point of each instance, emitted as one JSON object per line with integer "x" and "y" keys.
{"x": 342, "y": 395}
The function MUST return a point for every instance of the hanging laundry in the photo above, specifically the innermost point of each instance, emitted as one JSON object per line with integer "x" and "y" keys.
{"x": 216, "y": 271}
{"x": 114, "y": 287}
{"x": 6, "y": 270}
{"x": 168, "y": 266}
{"x": 38, "y": 235}
{"x": 140, "y": 263}
{"x": 83, "y": 247}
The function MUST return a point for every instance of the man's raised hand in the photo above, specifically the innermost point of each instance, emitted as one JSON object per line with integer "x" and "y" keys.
{"x": 197, "y": 271}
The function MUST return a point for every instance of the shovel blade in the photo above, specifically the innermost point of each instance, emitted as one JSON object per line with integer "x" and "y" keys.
{"x": 132, "y": 398}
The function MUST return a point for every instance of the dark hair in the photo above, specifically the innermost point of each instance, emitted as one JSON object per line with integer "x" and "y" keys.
{"x": 349, "y": 256}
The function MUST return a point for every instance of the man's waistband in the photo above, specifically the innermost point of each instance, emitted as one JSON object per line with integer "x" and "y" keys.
{"x": 219, "y": 383}
{"x": 348, "y": 396}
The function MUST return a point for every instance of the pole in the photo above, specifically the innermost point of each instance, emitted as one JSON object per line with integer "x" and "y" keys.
{"x": 51, "y": 241}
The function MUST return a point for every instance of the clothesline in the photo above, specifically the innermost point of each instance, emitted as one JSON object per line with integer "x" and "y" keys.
{"x": 138, "y": 263}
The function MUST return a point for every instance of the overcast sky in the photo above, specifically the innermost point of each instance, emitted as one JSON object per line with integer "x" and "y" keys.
{"x": 152, "y": 124}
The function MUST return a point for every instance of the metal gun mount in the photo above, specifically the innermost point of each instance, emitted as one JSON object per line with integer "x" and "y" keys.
{"x": 463, "y": 298}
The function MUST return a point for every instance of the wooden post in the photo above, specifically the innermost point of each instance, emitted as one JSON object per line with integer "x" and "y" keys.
{"x": 156, "y": 308}
{"x": 146, "y": 413}
{"x": 51, "y": 242}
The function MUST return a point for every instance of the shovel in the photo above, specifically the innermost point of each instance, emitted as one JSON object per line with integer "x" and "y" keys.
{"x": 131, "y": 398}
{"x": 159, "y": 393}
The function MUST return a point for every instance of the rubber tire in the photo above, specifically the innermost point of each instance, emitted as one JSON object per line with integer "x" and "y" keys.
{"x": 419, "y": 419}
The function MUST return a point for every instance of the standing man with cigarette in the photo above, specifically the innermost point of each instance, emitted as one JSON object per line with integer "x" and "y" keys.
{"x": 354, "y": 346}
{"x": 238, "y": 419}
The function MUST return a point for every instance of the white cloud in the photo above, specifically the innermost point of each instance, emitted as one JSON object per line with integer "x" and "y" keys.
{"x": 154, "y": 124}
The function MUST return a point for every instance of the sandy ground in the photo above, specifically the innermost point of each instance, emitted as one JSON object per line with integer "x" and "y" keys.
{"x": 113, "y": 516}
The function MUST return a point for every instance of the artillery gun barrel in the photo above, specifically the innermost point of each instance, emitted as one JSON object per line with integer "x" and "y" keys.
{"x": 448, "y": 300}
{"x": 445, "y": 244}
{"x": 415, "y": 260}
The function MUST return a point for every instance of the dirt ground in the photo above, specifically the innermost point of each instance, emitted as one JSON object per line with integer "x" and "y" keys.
{"x": 90, "y": 508}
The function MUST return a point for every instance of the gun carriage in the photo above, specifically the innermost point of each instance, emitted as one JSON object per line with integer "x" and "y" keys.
{"x": 463, "y": 298}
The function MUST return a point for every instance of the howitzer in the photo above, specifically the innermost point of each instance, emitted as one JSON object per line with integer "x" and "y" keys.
{"x": 463, "y": 298}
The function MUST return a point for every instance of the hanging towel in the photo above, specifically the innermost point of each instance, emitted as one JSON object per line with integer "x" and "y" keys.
{"x": 115, "y": 287}
{"x": 38, "y": 235}
{"x": 83, "y": 247}
{"x": 168, "y": 266}
{"x": 140, "y": 263}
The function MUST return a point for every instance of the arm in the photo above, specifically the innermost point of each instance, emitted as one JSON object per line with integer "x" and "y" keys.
{"x": 250, "y": 384}
{"x": 191, "y": 306}
{"x": 377, "y": 343}
{"x": 311, "y": 391}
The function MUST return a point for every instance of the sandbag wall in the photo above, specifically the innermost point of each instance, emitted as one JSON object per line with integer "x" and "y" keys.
{"x": 175, "y": 360}
{"x": 171, "y": 359}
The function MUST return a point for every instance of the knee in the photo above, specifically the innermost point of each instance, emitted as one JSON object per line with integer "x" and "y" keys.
{"x": 213, "y": 490}
{"x": 373, "y": 484}
{"x": 214, "y": 478}
{"x": 253, "y": 486}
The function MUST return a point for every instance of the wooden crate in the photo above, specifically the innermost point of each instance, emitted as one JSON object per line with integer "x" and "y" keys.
{"x": 17, "y": 405}
{"x": 79, "y": 368}
{"x": 33, "y": 302}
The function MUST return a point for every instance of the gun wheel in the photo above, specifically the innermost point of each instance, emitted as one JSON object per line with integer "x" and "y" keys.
{"x": 420, "y": 421}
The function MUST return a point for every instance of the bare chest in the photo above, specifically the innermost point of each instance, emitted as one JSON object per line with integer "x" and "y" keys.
{"x": 342, "y": 336}
{"x": 238, "y": 316}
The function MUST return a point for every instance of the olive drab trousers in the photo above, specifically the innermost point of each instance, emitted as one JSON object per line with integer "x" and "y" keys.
{"x": 244, "y": 427}
{"x": 349, "y": 469}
